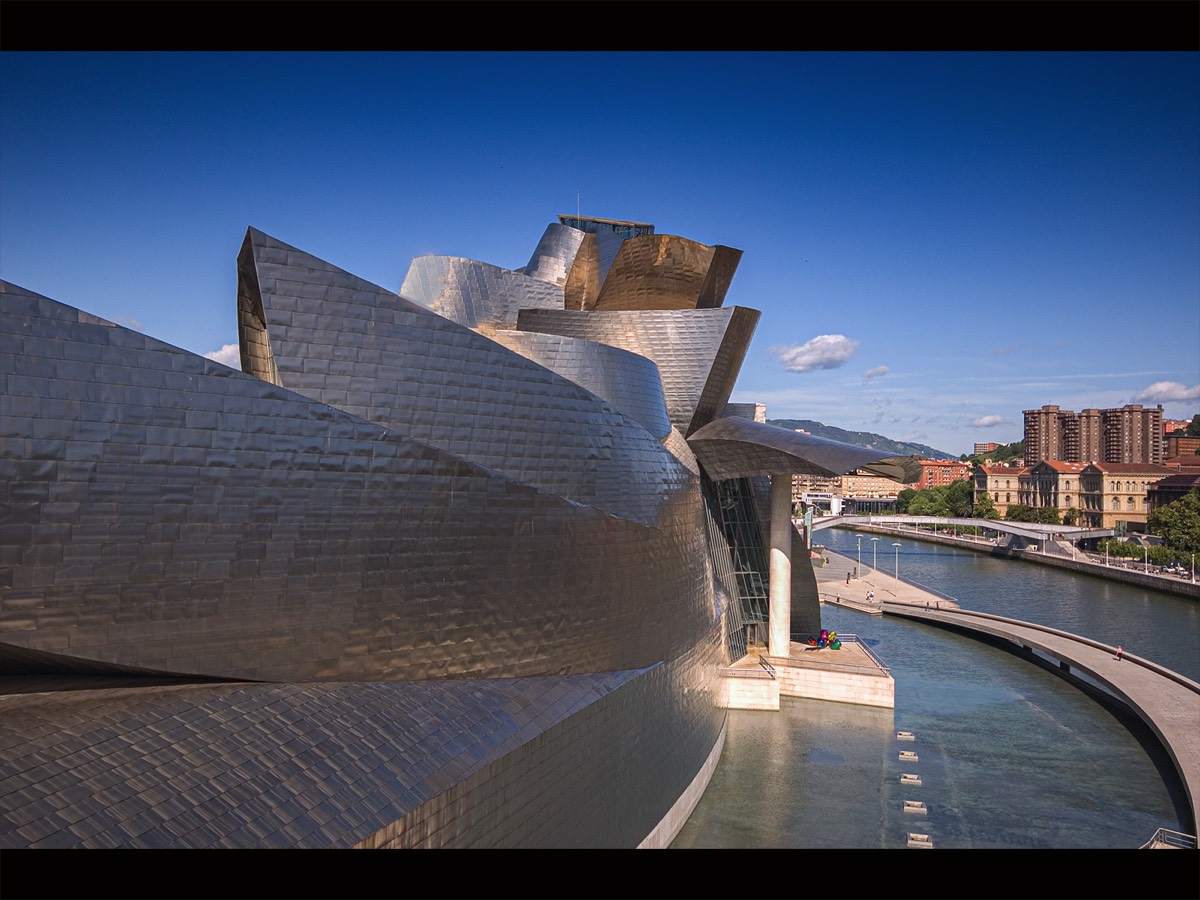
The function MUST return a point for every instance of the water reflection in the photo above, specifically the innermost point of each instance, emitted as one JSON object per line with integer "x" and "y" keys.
{"x": 1009, "y": 755}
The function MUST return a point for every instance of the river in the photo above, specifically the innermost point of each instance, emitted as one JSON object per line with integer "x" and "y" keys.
{"x": 1010, "y": 756}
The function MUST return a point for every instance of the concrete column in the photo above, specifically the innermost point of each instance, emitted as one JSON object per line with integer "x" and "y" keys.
{"x": 780, "y": 607}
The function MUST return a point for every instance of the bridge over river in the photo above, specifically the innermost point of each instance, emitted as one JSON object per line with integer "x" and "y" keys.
{"x": 1030, "y": 531}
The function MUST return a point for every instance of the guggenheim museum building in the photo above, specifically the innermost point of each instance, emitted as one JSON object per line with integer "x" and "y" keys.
{"x": 455, "y": 566}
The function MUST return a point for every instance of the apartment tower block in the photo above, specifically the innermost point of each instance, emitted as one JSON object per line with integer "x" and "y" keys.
{"x": 1130, "y": 434}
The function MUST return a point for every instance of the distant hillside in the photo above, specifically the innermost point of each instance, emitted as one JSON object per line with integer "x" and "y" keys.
{"x": 861, "y": 439}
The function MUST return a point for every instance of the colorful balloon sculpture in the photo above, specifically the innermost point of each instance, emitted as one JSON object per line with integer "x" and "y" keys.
{"x": 828, "y": 639}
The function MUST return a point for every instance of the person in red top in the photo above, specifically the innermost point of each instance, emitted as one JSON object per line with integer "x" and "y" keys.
{"x": 1119, "y": 652}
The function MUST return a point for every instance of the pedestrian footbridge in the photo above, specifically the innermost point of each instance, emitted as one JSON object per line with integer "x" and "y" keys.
{"x": 1033, "y": 531}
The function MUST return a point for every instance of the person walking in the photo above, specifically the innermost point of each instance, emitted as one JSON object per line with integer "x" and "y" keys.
{"x": 1119, "y": 652}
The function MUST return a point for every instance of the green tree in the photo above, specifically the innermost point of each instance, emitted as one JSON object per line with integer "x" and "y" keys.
{"x": 904, "y": 498}
{"x": 959, "y": 497}
{"x": 1047, "y": 515}
{"x": 1019, "y": 512}
{"x": 1193, "y": 427}
{"x": 1178, "y": 523}
{"x": 985, "y": 508}
{"x": 929, "y": 502}
{"x": 1071, "y": 516}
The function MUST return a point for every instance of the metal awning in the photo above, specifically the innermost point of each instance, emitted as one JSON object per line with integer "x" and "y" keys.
{"x": 734, "y": 447}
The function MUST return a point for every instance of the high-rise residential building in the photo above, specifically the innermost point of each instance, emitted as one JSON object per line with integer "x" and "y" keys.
{"x": 1129, "y": 434}
{"x": 1043, "y": 434}
{"x": 1132, "y": 434}
{"x": 1090, "y": 431}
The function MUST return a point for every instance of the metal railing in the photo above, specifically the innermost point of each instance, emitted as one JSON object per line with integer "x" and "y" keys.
{"x": 1166, "y": 838}
{"x": 854, "y": 639}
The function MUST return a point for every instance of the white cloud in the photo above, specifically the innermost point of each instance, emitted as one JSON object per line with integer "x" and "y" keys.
{"x": 1167, "y": 391}
{"x": 987, "y": 421}
{"x": 229, "y": 355}
{"x": 875, "y": 372}
{"x": 825, "y": 351}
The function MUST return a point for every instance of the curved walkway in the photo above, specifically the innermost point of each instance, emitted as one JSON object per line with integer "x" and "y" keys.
{"x": 1168, "y": 702}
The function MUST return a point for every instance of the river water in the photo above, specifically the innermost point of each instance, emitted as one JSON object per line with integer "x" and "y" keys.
{"x": 1009, "y": 755}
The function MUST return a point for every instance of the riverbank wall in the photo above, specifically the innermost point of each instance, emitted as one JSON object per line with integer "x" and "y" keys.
{"x": 1081, "y": 565}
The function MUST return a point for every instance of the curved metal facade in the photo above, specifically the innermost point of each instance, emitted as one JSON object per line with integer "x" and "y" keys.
{"x": 698, "y": 352}
{"x": 629, "y": 382}
{"x": 407, "y": 579}
{"x": 664, "y": 271}
{"x": 736, "y": 447}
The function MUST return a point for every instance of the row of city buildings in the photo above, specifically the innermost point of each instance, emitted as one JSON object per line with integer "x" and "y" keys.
{"x": 1127, "y": 434}
{"x": 864, "y": 492}
{"x": 1102, "y": 495}
{"x": 1106, "y": 468}
{"x": 1099, "y": 495}
{"x": 1109, "y": 468}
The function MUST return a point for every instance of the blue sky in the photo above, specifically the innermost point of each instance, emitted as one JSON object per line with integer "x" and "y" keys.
{"x": 936, "y": 240}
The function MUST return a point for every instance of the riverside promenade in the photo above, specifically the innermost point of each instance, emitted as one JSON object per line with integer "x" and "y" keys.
{"x": 1051, "y": 554}
{"x": 833, "y": 587}
{"x": 1166, "y": 701}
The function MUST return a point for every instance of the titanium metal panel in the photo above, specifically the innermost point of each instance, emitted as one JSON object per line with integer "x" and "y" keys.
{"x": 665, "y": 271}
{"x": 734, "y": 447}
{"x": 720, "y": 274}
{"x": 222, "y": 526}
{"x": 477, "y": 598}
{"x": 583, "y": 281}
{"x": 350, "y": 344}
{"x": 477, "y": 295}
{"x": 625, "y": 380}
{"x": 106, "y": 764}
{"x": 592, "y": 263}
{"x": 200, "y": 520}
{"x": 555, "y": 253}
{"x": 698, "y": 352}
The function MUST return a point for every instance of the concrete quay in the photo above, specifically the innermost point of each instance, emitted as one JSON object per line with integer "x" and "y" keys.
{"x": 834, "y": 587}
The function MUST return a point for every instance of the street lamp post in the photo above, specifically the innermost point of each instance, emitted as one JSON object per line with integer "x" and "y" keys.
{"x": 874, "y": 559}
{"x": 896, "y": 592}
{"x": 859, "y": 568}
{"x": 1146, "y": 563}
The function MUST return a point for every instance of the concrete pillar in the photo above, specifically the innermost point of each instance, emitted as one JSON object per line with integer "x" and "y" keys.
{"x": 780, "y": 607}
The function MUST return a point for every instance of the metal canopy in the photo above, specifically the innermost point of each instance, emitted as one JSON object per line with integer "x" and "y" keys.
{"x": 733, "y": 447}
